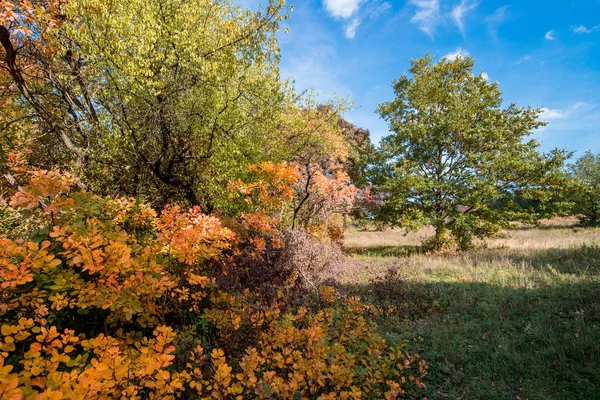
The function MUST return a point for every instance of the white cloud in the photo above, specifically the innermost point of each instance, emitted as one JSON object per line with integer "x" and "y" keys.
{"x": 346, "y": 9}
{"x": 460, "y": 11}
{"x": 485, "y": 76}
{"x": 352, "y": 27}
{"x": 550, "y": 114}
{"x": 582, "y": 29}
{"x": 550, "y": 35}
{"x": 494, "y": 21}
{"x": 427, "y": 15}
{"x": 460, "y": 52}
{"x": 342, "y": 8}
{"x": 575, "y": 125}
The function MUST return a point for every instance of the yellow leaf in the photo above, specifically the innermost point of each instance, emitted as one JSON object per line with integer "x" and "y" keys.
{"x": 6, "y": 330}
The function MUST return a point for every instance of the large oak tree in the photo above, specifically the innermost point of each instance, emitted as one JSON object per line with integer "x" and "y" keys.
{"x": 456, "y": 154}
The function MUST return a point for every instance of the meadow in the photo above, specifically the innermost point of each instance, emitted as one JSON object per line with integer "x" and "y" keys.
{"x": 518, "y": 317}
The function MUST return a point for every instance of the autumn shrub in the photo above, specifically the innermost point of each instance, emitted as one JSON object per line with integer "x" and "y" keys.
{"x": 106, "y": 298}
{"x": 332, "y": 353}
{"x": 325, "y": 196}
{"x": 264, "y": 200}
{"x": 313, "y": 261}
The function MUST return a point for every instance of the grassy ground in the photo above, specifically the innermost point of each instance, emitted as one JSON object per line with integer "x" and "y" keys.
{"x": 519, "y": 319}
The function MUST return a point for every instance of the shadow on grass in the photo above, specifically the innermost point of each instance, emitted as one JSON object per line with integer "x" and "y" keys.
{"x": 574, "y": 226}
{"x": 584, "y": 260}
{"x": 578, "y": 261}
{"x": 485, "y": 341}
{"x": 384, "y": 251}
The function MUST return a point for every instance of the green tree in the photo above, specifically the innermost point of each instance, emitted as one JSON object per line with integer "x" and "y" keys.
{"x": 168, "y": 100}
{"x": 455, "y": 152}
{"x": 586, "y": 193}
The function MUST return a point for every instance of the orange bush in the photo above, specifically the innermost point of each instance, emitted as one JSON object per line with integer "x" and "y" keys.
{"x": 104, "y": 298}
{"x": 325, "y": 197}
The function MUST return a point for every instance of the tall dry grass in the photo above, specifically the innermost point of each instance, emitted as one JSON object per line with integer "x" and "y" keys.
{"x": 522, "y": 257}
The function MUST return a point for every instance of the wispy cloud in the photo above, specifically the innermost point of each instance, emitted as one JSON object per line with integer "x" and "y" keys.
{"x": 581, "y": 29}
{"x": 376, "y": 10}
{"x": 522, "y": 60}
{"x": 571, "y": 120}
{"x": 312, "y": 73}
{"x": 485, "y": 76}
{"x": 494, "y": 20}
{"x": 550, "y": 35}
{"x": 460, "y": 11}
{"x": 342, "y": 8}
{"x": 550, "y": 114}
{"x": 460, "y": 52}
{"x": 427, "y": 15}
{"x": 313, "y": 61}
{"x": 352, "y": 27}
{"x": 577, "y": 130}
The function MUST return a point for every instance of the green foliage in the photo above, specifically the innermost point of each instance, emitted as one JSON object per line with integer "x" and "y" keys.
{"x": 164, "y": 100}
{"x": 180, "y": 103}
{"x": 455, "y": 152}
{"x": 586, "y": 193}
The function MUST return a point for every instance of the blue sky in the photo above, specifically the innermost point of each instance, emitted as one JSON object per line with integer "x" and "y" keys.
{"x": 542, "y": 53}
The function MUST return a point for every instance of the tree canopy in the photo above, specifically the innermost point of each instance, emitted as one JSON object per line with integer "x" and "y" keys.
{"x": 586, "y": 189}
{"x": 160, "y": 99}
{"x": 455, "y": 151}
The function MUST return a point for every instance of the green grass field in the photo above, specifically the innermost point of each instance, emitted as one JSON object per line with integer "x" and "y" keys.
{"x": 517, "y": 318}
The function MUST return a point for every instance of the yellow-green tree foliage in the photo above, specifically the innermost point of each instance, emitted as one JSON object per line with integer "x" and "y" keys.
{"x": 162, "y": 99}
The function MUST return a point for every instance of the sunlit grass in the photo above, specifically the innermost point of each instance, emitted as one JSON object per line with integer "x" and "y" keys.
{"x": 519, "y": 318}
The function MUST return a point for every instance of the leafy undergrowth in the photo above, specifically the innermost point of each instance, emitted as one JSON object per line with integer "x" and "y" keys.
{"x": 504, "y": 323}
{"x": 105, "y": 298}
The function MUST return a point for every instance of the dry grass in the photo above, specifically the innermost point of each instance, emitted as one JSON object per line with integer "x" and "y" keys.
{"x": 555, "y": 246}
{"x": 390, "y": 237}
{"x": 557, "y": 233}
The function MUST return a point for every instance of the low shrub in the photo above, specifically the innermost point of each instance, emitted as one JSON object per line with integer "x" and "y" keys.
{"x": 105, "y": 298}
{"x": 313, "y": 261}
